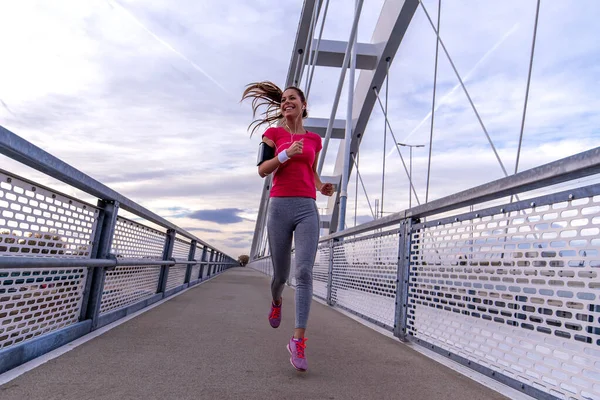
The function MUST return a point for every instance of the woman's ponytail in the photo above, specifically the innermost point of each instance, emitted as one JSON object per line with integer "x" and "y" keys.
{"x": 264, "y": 94}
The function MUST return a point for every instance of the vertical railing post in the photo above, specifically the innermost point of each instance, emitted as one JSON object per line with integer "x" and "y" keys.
{"x": 402, "y": 280}
{"x": 91, "y": 281}
{"x": 203, "y": 262}
{"x": 210, "y": 262}
{"x": 107, "y": 221}
{"x": 192, "y": 254}
{"x": 330, "y": 274}
{"x": 167, "y": 254}
{"x": 215, "y": 260}
{"x": 208, "y": 259}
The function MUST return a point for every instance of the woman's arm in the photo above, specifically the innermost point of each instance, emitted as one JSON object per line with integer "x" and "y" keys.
{"x": 271, "y": 165}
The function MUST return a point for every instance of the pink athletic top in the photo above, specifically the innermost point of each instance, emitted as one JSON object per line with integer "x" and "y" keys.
{"x": 295, "y": 177}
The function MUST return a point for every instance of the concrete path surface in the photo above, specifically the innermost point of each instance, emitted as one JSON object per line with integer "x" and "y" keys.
{"x": 214, "y": 342}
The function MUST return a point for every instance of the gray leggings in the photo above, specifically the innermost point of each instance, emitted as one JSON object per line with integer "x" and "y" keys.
{"x": 296, "y": 216}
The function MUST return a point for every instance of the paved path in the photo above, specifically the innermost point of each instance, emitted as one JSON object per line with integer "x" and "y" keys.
{"x": 214, "y": 342}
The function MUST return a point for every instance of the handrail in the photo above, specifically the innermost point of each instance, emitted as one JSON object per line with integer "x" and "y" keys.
{"x": 27, "y": 153}
{"x": 51, "y": 262}
{"x": 57, "y": 262}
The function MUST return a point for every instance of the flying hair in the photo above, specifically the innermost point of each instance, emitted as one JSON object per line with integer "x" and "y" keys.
{"x": 267, "y": 94}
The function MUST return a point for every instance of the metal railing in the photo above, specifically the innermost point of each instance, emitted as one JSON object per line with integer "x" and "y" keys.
{"x": 509, "y": 290}
{"x": 68, "y": 267}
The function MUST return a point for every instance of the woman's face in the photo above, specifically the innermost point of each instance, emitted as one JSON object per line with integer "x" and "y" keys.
{"x": 291, "y": 104}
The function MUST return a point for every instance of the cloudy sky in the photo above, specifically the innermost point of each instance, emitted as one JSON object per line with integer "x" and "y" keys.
{"x": 144, "y": 96}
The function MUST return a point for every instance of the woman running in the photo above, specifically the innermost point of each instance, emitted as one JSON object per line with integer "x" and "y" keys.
{"x": 292, "y": 154}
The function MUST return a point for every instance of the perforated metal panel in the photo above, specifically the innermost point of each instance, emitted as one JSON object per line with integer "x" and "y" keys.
{"x": 36, "y": 222}
{"x": 364, "y": 276}
{"x": 176, "y": 276}
{"x": 516, "y": 292}
{"x": 321, "y": 270}
{"x": 181, "y": 249}
{"x": 133, "y": 240}
{"x": 124, "y": 286}
{"x": 35, "y": 301}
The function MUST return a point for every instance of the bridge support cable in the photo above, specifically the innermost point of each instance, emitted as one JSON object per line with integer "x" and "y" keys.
{"x": 387, "y": 79}
{"x": 356, "y": 163}
{"x": 363, "y": 186}
{"x": 522, "y": 212}
{"x": 336, "y": 100}
{"x": 537, "y": 14}
{"x": 315, "y": 55}
{"x": 437, "y": 52}
{"x": 395, "y": 141}
{"x": 462, "y": 84}
{"x": 535, "y": 25}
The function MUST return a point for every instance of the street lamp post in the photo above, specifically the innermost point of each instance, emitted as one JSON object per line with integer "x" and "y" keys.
{"x": 410, "y": 146}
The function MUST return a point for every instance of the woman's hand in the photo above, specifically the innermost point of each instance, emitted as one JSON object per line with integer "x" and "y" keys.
{"x": 295, "y": 148}
{"x": 326, "y": 189}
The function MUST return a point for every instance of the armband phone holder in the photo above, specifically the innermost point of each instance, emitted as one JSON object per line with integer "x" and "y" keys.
{"x": 265, "y": 152}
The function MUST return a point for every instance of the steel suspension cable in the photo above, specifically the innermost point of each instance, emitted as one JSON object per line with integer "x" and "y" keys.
{"x": 537, "y": 14}
{"x": 387, "y": 78}
{"x": 395, "y": 141}
{"x": 465, "y": 90}
{"x": 437, "y": 48}
{"x": 363, "y": 185}
{"x": 356, "y": 185}
{"x": 311, "y": 71}
{"x": 310, "y": 42}
{"x": 336, "y": 99}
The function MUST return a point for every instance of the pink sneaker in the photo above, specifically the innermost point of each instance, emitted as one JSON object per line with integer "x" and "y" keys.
{"x": 298, "y": 358}
{"x": 275, "y": 314}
